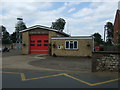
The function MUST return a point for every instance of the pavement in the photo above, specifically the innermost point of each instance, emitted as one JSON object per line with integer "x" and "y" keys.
{"x": 15, "y": 60}
{"x": 19, "y": 61}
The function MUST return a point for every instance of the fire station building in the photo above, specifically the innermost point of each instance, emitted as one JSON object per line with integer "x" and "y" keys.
{"x": 44, "y": 40}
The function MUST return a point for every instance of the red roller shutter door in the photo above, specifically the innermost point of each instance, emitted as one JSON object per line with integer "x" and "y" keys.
{"x": 39, "y": 44}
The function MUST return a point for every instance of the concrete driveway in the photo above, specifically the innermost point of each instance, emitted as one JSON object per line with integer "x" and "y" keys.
{"x": 14, "y": 59}
{"x": 20, "y": 62}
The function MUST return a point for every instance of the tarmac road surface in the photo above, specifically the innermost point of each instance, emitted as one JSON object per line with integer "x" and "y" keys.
{"x": 46, "y": 79}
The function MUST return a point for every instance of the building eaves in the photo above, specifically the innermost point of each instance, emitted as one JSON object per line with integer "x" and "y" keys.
{"x": 74, "y": 37}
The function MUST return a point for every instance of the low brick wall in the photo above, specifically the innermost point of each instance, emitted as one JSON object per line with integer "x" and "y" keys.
{"x": 106, "y": 61}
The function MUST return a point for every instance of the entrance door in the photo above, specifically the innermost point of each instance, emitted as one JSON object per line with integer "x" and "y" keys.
{"x": 39, "y": 44}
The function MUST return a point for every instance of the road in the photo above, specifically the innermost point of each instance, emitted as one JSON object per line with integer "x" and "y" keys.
{"x": 47, "y": 79}
{"x": 18, "y": 72}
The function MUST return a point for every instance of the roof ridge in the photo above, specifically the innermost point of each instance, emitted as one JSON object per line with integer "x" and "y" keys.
{"x": 44, "y": 27}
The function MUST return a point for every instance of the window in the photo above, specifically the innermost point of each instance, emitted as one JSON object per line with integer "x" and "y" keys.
{"x": 45, "y": 40}
{"x": 45, "y": 44}
{"x": 71, "y": 45}
{"x": 38, "y": 44}
{"x": 39, "y": 41}
{"x": 67, "y": 44}
{"x": 32, "y": 41}
{"x": 75, "y": 45}
{"x": 32, "y": 44}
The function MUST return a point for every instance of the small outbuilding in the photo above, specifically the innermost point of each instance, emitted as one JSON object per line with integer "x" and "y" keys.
{"x": 44, "y": 40}
{"x": 72, "y": 46}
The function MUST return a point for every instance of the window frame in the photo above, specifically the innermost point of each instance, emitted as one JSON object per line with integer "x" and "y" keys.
{"x": 39, "y": 44}
{"x": 73, "y": 44}
{"x": 45, "y": 44}
{"x": 32, "y": 45}
{"x": 39, "y": 41}
{"x": 32, "y": 41}
{"x": 45, "y": 41}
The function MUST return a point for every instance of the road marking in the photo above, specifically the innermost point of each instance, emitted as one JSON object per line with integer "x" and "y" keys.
{"x": 90, "y": 84}
{"x": 23, "y": 78}
{"x": 106, "y": 82}
{"x": 78, "y": 79}
{"x": 44, "y": 77}
{"x": 11, "y": 72}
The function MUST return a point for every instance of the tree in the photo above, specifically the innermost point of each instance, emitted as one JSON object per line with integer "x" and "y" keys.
{"x": 110, "y": 32}
{"x": 97, "y": 38}
{"x": 59, "y": 24}
{"x": 2, "y": 29}
{"x": 13, "y": 37}
{"x": 5, "y": 35}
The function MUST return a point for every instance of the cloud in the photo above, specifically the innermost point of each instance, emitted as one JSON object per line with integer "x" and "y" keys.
{"x": 83, "y": 21}
{"x": 93, "y": 18}
{"x": 84, "y": 12}
{"x": 71, "y": 3}
{"x": 32, "y": 13}
{"x": 71, "y": 10}
{"x": 27, "y": 1}
{"x": 28, "y": 10}
{"x": 59, "y": 0}
{"x": 29, "y": 6}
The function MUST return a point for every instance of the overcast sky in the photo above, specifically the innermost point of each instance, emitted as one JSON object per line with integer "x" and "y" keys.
{"x": 82, "y": 18}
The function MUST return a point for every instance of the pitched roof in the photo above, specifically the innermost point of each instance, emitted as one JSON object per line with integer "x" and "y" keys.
{"x": 44, "y": 27}
{"x": 116, "y": 25}
{"x": 117, "y": 17}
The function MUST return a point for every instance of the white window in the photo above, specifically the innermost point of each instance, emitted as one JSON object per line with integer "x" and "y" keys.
{"x": 71, "y": 44}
